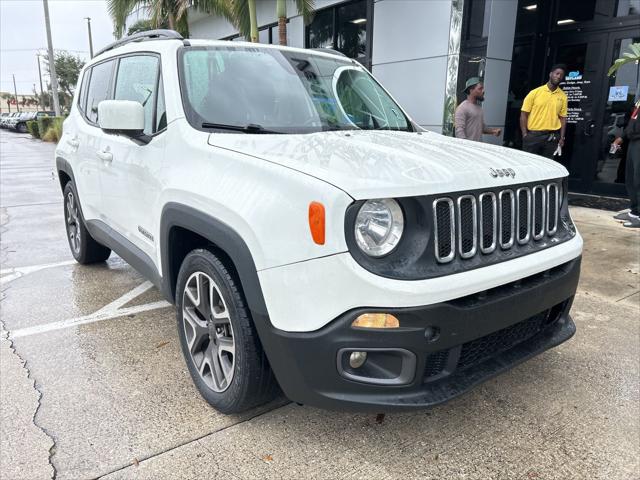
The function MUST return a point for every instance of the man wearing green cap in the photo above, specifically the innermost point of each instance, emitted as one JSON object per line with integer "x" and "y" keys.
{"x": 469, "y": 119}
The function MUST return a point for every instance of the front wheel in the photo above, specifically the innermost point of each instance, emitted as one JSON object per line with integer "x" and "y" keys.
{"x": 219, "y": 342}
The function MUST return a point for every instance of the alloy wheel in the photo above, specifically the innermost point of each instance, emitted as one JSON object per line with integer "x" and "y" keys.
{"x": 73, "y": 222}
{"x": 208, "y": 331}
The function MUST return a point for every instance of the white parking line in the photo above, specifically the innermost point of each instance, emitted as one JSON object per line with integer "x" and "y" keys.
{"x": 13, "y": 273}
{"x": 112, "y": 310}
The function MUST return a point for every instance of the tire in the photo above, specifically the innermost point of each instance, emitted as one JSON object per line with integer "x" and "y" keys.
{"x": 83, "y": 246}
{"x": 219, "y": 342}
{"x": 21, "y": 127}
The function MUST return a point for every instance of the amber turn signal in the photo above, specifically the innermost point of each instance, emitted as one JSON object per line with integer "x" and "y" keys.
{"x": 316, "y": 222}
{"x": 376, "y": 320}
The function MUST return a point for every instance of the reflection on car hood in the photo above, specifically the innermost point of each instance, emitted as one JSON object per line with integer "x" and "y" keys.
{"x": 375, "y": 164}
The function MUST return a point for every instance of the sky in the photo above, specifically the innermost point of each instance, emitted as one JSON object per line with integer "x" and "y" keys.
{"x": 23, "y": 34}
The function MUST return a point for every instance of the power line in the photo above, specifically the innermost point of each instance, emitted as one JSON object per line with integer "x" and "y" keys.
{"x": 37, "y": 49}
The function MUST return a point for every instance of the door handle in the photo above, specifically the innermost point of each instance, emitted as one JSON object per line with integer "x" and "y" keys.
{"x": 105, "y": 155}
{"x": 73, "y": 142}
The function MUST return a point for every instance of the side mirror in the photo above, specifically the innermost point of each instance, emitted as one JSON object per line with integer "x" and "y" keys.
{"x": 124, "y": 117}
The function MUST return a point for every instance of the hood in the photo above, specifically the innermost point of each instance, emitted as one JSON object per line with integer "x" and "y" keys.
{"x": 378, "y": 164}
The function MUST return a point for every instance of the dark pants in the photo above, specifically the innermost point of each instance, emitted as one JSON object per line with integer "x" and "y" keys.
{"x": 541, "y": 143}
{"x": 632, "y": 175}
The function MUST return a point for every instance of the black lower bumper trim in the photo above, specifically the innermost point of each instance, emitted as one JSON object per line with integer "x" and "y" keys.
{"x": 479, "y": 336}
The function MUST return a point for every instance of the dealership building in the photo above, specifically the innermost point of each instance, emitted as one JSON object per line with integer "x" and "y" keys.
{"x": 422, "y": 51}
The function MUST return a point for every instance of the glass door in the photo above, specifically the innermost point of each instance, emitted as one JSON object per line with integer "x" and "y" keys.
{"x": 584, "y": 55}
{"x": 618, "y": 97}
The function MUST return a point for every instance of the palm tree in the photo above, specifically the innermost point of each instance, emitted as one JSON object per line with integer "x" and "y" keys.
{"x": 304, "y": 8}
{"x": 246, "y": 21}
{"x": 173, "y": 13}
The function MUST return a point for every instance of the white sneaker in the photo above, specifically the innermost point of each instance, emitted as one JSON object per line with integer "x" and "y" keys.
{"x": 634, "y": 222}
{"x": 623, "y": 215}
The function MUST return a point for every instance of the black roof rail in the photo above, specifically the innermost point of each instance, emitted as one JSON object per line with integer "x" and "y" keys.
{"x": 329, "y": 50}
{"x": 160, "y": 34}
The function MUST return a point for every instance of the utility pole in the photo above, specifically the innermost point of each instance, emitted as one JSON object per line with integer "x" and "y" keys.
{"x": 52, "y": 65}
{"x": 88, "y": 19}
{"x": 40, "y": 77}
{"x": 15, "y": 91}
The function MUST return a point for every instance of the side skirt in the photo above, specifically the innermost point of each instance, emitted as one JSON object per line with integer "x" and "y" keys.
{"x": 133, "y": 255}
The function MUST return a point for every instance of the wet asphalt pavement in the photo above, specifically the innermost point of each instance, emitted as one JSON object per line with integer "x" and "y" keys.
{"x": 93, "y": 384}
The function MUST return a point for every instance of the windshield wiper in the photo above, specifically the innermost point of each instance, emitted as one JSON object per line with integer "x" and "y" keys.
{"x": 251, "y": 128}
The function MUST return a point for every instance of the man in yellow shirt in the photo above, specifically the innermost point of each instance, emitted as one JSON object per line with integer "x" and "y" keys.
{"x": 543, "y": 116}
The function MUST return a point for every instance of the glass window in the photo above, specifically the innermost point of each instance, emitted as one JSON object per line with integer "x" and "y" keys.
{"x": 623, "y": 87}
{"x": 477, "y": 15}
{"x": 284, "y": 92}
{"x": 320, "y": 30}
{"x": 161, "y": 109}
{"x": 366, "y": 104}
{"x": 343, "y": 28}
{"x": 628, "y": 7}
{"x": 99, "y": 88}
{"x": 573, "y": 11}
{"x": 352, "y": 29}
{"x": 82, "y": 94}
{"x": 527, "y": 17}
{"x": 136, "y": 81}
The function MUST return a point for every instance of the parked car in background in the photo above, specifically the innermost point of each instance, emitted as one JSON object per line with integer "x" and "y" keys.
{"x": 4, "y": 122}
{"x": 20, "y": 124}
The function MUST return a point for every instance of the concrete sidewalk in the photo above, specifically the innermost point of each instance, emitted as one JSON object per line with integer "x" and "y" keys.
{"x": 93, "y": 385}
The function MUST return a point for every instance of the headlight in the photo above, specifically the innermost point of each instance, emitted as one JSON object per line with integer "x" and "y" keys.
{"x": 378, "y": 227}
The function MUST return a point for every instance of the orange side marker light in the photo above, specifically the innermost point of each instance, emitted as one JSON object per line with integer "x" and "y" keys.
{"x": 316, "y": 222}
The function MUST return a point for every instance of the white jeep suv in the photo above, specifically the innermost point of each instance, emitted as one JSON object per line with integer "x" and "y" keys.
{"x": 313, "y": 238}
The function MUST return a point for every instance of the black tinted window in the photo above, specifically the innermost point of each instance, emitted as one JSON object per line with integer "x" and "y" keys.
{"x": 136, "y": 81}
{"x": 161, "y": 109}
{"x": 82, "y": 93}
{"x": 99, "y": 88}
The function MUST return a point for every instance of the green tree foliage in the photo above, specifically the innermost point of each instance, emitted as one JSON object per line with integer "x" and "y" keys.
{"x": 68, "y": 68}
{"x": 172, "y": 13}
{"x": 632, "y": 56}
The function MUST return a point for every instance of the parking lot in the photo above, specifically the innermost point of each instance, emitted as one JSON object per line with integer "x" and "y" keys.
{"x": 93, "y": 384}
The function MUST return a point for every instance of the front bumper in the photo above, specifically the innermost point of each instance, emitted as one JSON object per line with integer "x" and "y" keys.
{"x": 478, "y": 337}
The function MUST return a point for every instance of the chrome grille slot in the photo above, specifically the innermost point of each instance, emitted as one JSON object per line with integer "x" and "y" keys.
{"x": 468, "y": 223}
{"x": 488, "y": 227}
{"x": 539, "y": 211}
{"x": 524, "y": 215}
{"x": 467, "y": 226}
{"x": 444, "y": 225}
{"x": 507, "y": 218}
{"x": 553, "y": 202}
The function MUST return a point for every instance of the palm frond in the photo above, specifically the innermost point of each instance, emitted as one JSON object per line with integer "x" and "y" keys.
{"x": 306, "y": 8}
{"x": 119, "y": 10}
{"x": 241, "y": 16}
{"x": 627, "y": 57}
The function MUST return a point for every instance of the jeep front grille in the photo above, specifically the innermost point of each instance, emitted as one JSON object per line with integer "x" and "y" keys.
{"x": 484, "y": 222}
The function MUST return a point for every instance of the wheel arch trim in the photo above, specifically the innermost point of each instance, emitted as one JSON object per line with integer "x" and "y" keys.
{"x": 221, "y": 236}
{"x": 63, "y": 165}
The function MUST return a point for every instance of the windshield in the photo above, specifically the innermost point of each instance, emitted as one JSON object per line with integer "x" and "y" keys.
{"x": 282, "y": 92}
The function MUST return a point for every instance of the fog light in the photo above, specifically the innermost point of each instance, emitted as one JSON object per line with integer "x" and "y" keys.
{"x": 376, "y": 320}
{"x": 357, "y": 359}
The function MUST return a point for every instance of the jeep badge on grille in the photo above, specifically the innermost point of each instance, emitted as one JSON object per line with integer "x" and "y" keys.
{"x": 502, "y": 172}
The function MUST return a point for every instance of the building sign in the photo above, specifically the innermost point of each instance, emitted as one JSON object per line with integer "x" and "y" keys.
{"x": 618, "y": 94}
{"x": 574, "y": 86}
